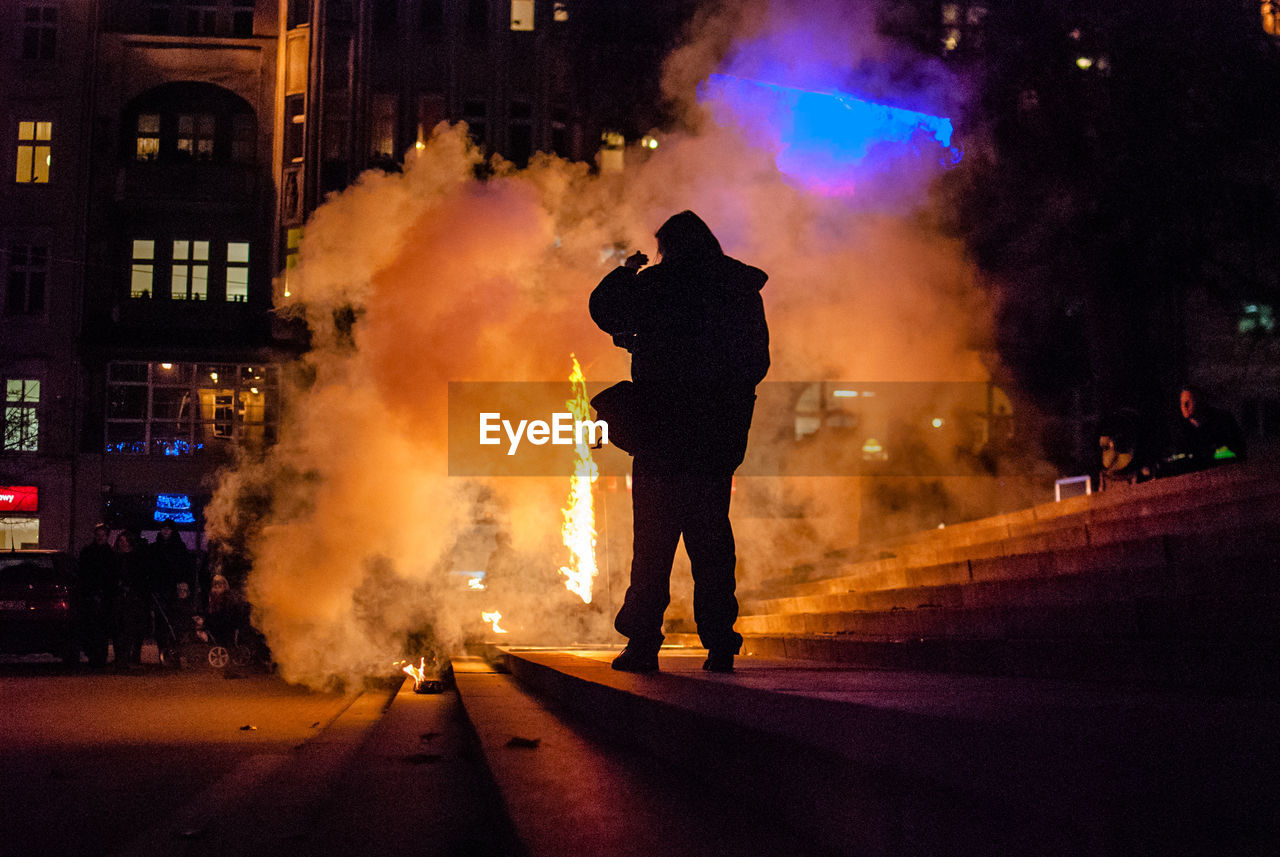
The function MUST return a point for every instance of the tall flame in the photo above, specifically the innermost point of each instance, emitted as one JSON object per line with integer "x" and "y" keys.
{"x": 579, "y": 530}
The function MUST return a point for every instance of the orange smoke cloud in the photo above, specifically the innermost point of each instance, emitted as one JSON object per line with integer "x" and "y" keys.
{"x": 453, "y": 279}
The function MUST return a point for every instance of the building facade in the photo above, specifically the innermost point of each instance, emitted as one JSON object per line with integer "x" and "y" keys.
{"x": 162, "y": 159}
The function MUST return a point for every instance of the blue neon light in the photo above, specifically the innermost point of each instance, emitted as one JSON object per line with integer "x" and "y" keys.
{"x": 175, "y": 517}
{"x": 828, "y": 139}
{"x": 173, "y": 501}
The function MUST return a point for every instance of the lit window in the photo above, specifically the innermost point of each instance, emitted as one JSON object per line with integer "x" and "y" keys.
{"x": 293, "y": 242}
{"x": 382, "y": 126}
{"x": 148, "y": 147}
{"x": 179, "y": 409}
{"x": 190, "y": 270}
{"x": 1271, "y": 17}
{"x": 21, "y": 419}
{"x": 34, "y": 152}
{"x": 238, "y": 271}
{"x": 522, "y": 15}
{"x": 39, "y": 30}
{"x": 195, "y": 135}
{"x": 143, "y": 271}
{"x": 28, "y": 272}
{"x": 561, "y": 13}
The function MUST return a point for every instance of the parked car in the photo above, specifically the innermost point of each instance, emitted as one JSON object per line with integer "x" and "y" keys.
{"x": 37, "y": 588}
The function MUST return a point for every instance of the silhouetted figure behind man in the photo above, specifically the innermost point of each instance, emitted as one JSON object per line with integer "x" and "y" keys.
{"x": 695, "y": 326}
{"x": 98, "y": 593}
{"x": 1206, "y": 435}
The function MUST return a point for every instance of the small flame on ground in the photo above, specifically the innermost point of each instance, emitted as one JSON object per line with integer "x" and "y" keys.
{"x": 579, "y": 530}
{"x": 417, "y": 673}
{"x": 493, "y": 619}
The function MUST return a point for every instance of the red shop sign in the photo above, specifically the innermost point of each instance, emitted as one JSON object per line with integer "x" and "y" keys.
{"x": 19, "y": 498}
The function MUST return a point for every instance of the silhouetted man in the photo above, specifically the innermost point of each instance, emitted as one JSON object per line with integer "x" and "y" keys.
{"x": 695, "y": 326}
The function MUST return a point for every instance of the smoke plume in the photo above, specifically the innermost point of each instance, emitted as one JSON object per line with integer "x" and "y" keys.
{"x": 411, "y": 280}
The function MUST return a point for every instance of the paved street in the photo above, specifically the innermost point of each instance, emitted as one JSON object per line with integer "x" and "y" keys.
{"x": 89, "y": 762}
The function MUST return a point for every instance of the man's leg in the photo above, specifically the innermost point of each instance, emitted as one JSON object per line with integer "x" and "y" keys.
{"x": 655, "y": 537}
{"x": 708, "y": 538}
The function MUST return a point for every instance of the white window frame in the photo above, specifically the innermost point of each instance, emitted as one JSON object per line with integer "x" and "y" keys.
{"x": 34, "y": 161}
{"x": 237, "y": 279}
{"x": 189, "y": 279}
{"x": 21, "y": 415}
{"x": 142, "y": 272}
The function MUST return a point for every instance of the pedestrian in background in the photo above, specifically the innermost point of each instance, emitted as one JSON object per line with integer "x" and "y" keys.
{"x": 134, "y": 616}
{"x": 97, "y": 595}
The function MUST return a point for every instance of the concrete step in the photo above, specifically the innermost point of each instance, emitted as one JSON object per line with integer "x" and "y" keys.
{"x": 1238, "y": 532}
{"x": 1223, "y": 563}
{"x": 1200, "y": 665}
{"x": 1213, "y": 618}
{"x": 889, "y": 763}
{"x": 570, "y": 790}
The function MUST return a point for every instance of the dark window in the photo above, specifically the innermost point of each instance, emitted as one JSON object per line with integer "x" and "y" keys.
{"x": 243, "y": 143}
{"x": 158, "y": 16}
{"x": 337, "y": 60}
{"x": 431, "y": 15}
{"x": 39, "y": 31}
{"x": 521, "y": 135}
{"x": 242, "y": 18}
{"x": 560, "y": 130}
{"x": 202, "y": 19}
{"x": 384, "y": 16}
{"x": 28, "y": 273}
{"x": 299, "y": 13}
{"x": 475, "y": 114}
{"x": 477, "y": 19}
{"x": 195, "y": 136}
{"x": 295, "y": 125}
{"x": 339, "y": 11}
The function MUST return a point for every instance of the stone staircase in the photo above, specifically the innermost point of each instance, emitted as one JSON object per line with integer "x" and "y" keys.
{"x": 1090, "y": 677}
{"x": 1172, "y": 582}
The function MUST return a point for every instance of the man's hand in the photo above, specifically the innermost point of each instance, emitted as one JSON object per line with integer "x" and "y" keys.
{"x": 636, "y": 261}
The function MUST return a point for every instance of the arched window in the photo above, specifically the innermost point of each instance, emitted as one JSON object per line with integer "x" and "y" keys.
{"x": 190, "y": 122}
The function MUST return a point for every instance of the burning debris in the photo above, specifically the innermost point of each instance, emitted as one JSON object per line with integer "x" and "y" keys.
{"x": 421, "y": 683}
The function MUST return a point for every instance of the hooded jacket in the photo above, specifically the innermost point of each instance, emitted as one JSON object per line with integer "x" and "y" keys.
{"x": 696, "y": 329}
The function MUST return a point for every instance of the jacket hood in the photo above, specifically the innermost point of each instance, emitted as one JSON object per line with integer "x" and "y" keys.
{"x": 686, "y": 238}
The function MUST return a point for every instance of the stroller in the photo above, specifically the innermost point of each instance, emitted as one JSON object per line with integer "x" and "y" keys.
{"x": 194, "y": 641}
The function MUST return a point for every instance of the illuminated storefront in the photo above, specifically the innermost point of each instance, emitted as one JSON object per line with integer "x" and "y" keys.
{"x": 19, "y": 521}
